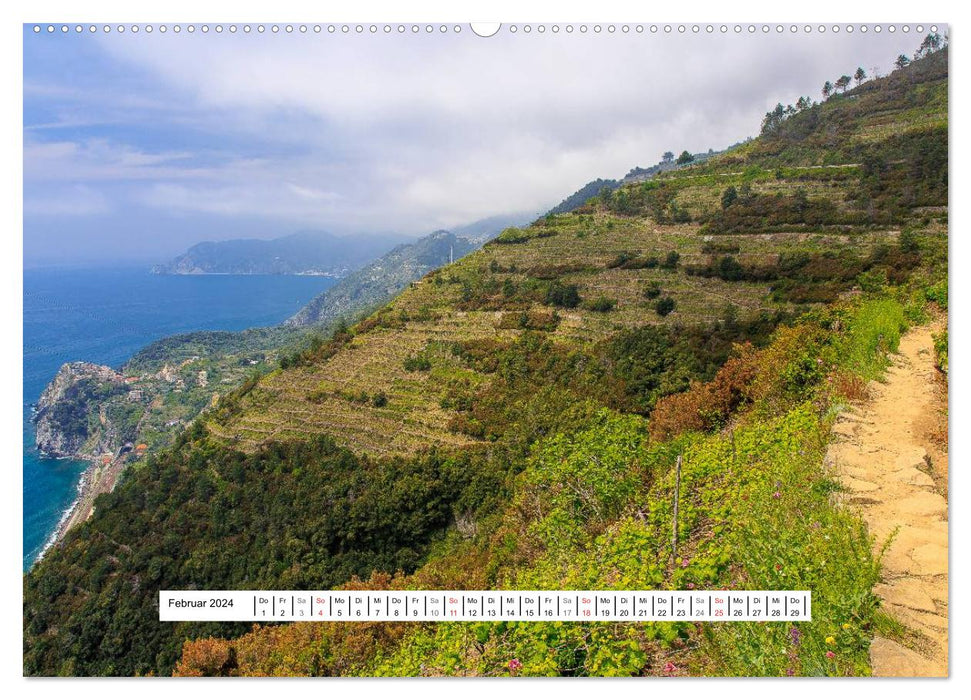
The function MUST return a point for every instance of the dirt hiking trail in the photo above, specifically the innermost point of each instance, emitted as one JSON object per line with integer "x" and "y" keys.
{"x": 891, "y": 455}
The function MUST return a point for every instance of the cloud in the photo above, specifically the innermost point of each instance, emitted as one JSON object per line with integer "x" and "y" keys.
{"x": 397, "y": 133}
{"x": 67, "y": 202}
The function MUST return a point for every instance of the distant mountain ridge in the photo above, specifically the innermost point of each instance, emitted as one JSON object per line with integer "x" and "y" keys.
{"x": 380, "y": 280}
{"x": 303, "y": 253}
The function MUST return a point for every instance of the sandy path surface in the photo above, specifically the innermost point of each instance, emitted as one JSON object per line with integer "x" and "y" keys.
{"x": 892, "y": 459}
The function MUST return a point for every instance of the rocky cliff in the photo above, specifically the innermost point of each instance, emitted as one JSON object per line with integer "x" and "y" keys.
{"x": 68, "y": 420}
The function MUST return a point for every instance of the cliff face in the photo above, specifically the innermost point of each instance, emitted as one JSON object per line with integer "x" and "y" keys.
{"x": 68, "y": 421}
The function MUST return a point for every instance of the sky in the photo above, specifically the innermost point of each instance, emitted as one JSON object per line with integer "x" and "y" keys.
{"x": 137, "y": 146}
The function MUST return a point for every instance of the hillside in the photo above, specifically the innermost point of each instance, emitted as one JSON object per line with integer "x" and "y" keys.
{"x": 306, "y": 253}
{"x": 381, "y": 279}
{"x": 165, "y": 385}
{"x": 636, "y": 174}
{"x": 512, "y": 420}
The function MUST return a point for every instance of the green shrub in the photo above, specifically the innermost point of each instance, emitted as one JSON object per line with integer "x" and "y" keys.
{"x": 940, "y": 351}
{"x": 563, "y": 295}
{"x": 937, "y": 293}
{"x": 601, "y": 304}
{"x": 671, "y": 260}
{"x": 652, "y": 290}
{"x": 664, "y": 306}
{"x": 418, "y": 362}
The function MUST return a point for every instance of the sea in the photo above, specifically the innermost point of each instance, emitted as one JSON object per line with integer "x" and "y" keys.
{"x": 105, "y": 316}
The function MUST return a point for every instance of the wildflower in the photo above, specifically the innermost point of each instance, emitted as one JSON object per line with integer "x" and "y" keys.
{"x": 831, "y": 639}
{"x": 795, "y": 635}
{"x": 790, "y": 671}
{"x": 830, "y": 655}
{"x": 691, "y": 586}
{"x": 777, "y": 495}
{"x": 778, "y": 567}
{"x": 669, "y": 667}
{"x": 846, "y": 625}
{"x": 684, "y": 563}
{"x": 515, "y": 665}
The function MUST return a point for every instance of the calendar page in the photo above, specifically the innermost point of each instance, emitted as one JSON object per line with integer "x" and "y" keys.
{"x": 435, "y": 348}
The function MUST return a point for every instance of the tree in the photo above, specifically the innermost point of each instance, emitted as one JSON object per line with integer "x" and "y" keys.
{"x": 729, "y": 196}
{"x": 565, "y": 295}
{"x": 667, "y": 157}
{"x": 685, "y": 158}
{"x": 902, "y": 61}
{"x": 664, "y": 306}
{"x": 843, "y": 82}
{"x": 671, "y": 260}
{"x": 860, "y": 75}
{"x": 773, "y": 120}
{"x": 827, "y": 90}
{"x": 930, "y": 44}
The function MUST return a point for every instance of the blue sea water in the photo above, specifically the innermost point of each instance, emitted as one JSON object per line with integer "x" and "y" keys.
{"x": 105, "y": 316}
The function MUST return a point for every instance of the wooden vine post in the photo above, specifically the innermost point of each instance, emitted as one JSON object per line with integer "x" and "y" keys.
{"x": 674, "y": 525}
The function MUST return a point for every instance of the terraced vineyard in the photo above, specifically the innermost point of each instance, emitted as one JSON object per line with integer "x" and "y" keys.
{"x": 336, "y": 396}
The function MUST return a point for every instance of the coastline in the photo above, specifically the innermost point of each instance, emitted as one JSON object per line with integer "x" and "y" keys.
{"x": 77, "y": 313}
{"x": 95, "y": 480}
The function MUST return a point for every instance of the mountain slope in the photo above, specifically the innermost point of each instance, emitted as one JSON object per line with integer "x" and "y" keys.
{"x": 512, "y": 420}
{"x": 381, "y": 279}
{"x": 307, "y": 253}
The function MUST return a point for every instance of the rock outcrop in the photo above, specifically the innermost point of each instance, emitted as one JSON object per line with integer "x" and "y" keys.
{"x": 68, "y": 420}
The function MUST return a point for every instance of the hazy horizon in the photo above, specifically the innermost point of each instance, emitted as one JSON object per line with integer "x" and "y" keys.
{"x": 137, "y": 146}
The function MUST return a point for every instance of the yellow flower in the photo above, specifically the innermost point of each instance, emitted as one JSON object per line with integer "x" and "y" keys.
{"x": 831, "y": 640}
{"x": 846, "y": 625}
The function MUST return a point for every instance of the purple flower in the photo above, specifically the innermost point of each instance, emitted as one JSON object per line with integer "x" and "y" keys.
{"x": 684, "y": 563}
{"x": 830, "y": 655}
{"x": 777, "y": 495}
{"x": 790, "y": 671}
{"x": 670, "y": 667}
{"x": 515, "y": 665}
{"x": 795, "y": 636}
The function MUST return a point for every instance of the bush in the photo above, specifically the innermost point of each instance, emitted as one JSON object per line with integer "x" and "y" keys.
{"x": 729, "y": 197}
{"x": 418, "y": 363}
{"x": 706, "y": 406}
{"x": 937, "y": 293}
{"x": 664, "y": 306}
{"x": 908, "y": 241}
{"x": 671, "y": 260}
{"x": 940, "y": 351}
{"x": 652, "y": 290}
{"x": 621, "y": 260}
{"x": 601, "y": 304}
{"x": 564, "y": 295}
{"x": 380, "y": 399}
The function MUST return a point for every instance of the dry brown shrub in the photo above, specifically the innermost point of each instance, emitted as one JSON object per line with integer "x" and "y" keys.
{"x": 705, "y": 406}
